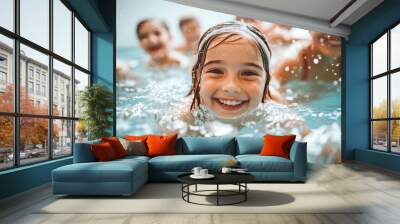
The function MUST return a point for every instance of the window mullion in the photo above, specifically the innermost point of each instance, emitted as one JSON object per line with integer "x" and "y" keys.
{"x": 389, "y": 101}
{"x": 73, "y": 82}
{"x": 50, "y": 81}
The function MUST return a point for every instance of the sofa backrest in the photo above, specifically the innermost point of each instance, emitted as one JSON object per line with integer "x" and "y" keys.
{"x": 83, "y": 152}
{"x": 249, "y": 145}
{"x": 206, "y": 145}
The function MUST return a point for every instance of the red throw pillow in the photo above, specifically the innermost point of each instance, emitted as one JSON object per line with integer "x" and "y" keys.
{"x": 116, "y": 145}
{"x": 103, "y": 152}
{"x": 277, "y": 145}
{"x": 159, "y": 145}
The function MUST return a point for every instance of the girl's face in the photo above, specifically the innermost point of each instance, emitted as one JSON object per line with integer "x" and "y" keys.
{"x": 233, "y": 77}
{"x": 154, "y": 39}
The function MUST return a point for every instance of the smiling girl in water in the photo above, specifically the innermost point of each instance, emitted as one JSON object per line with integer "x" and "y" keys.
{"x": 229, "y": 92}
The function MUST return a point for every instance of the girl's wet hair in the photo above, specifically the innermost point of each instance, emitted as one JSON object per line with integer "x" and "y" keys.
{"x": 143, "y": 21}
{"x": 229, "y": 29}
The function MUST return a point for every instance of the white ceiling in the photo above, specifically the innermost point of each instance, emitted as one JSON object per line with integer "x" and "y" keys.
{"x": 316, "y": 15}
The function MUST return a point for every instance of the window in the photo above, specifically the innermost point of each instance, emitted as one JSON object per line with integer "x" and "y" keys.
{"x": 30, "y": 72}
{"x": 30, "y": 87}
{"x": 46, "y": 74}
{"x": 385, "y": 95}
{"x": 3, "y": 78}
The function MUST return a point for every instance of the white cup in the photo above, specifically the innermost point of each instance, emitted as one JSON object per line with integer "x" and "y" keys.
{"x": 196, "y": 171}
{"x": 203, "y": 172}
{"x": 226, "y": 170}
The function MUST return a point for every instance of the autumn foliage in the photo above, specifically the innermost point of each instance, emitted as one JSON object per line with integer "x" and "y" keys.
{"x": 33, "y": 131}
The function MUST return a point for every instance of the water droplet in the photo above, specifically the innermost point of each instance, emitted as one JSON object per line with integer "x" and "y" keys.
{"x": 335, "y": 74}
{"x": 316, "y": 77}
{"x": 338, "y": 64}
{"x": 316, "y": 61}
{"x": 292, "y": 71}
{"x": 335, "y": 83}
{"x": 309, "y": 67}
{"x": 286, "y": 68}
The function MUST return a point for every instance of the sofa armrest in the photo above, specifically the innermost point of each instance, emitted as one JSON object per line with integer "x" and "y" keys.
{"x": 83, "y": 152}
{"x": 298, "y": 155}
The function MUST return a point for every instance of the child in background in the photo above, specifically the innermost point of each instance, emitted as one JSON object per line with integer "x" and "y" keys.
{"x": 155, "y": 39}
{"x": 191, "y": 31}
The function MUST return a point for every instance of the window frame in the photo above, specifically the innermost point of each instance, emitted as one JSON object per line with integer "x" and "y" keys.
{"x": 16, "y": 115}
{"x": 388, "y": 74}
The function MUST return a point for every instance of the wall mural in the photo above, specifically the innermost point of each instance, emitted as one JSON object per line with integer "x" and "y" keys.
{"x": 203, "y": 73}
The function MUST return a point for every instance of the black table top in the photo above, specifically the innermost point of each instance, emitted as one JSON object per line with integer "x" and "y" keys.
{"x": 220, "y": 178}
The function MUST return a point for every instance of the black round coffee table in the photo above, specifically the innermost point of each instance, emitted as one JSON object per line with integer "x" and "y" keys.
{"x": 238, "y": 179}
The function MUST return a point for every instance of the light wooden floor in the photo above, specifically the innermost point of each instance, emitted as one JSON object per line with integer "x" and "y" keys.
{"x": 351, "y": 181}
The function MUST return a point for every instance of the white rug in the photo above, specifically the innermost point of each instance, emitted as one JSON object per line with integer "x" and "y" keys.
{"x": 166, "y": 198}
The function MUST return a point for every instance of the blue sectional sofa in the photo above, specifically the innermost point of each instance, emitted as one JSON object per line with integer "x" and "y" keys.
{"x": 125, "y": 176}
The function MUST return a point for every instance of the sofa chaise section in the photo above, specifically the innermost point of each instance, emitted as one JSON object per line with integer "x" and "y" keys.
{"x": 87, "y": 177}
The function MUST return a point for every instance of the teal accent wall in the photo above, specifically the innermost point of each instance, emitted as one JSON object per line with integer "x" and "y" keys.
{"x": 356, "y": 60}
{"x": 99, "y": 16}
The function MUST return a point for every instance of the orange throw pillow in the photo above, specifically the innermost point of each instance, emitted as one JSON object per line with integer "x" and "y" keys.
{"x": 116, "y": 145}
{"x": 136, "y": 137}
{"x": 103, "y": 152}
{"x": 277, "y": 145}
{"x": 159, "y": 145}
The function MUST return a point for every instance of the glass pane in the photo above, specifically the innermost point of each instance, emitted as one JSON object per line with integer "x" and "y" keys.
{"x": 395, "y": 94}
{"x": 62, "y": 29}
{"x": 81, "y": 45}
{"x": 62, "y": 89}
{"x": 6, "y": 142}
{"x": 395, "y": 47}
{"x": 35, "y": 21}
{"x": 34, "y": 97}
{"x": 379, "y": 97}
{"x": 33, "y": 139}
{"x": 6, "y": 74}
{"x": 395, "y": 136}
{"x": 379, "y": 55}
{"x": 379, "y": 135}
{"x": 62, "y": 141}
{"x": 81, "y": 81}
{"x": 81, "y": 131}
{"x": 7, "y": 14}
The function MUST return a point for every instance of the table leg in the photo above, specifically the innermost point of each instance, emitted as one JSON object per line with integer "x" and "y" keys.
{"x": 245, "y": 193}
{"x": 196, "y": 188}
{"x": 217, "y": 194}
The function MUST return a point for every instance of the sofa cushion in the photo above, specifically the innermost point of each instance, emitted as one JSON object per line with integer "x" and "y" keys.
{"x": 111, "y": 171}
{"x": 103, "y": 152}
{"x": 116, "y": 145}
{"x": 257, "y": 163}
{"x": 277, "y": 145}
{"x": 206, "y": 145}
{"x": 160, "y": 145}
{"x": 249, "y": 145}
{"x": 185, "y": 163}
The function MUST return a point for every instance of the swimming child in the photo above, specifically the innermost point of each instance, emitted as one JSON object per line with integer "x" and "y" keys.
{"x": 191, "y": 31}
{"x": 155, "y": 38}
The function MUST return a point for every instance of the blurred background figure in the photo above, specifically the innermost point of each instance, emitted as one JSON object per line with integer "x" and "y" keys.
{"x": 257, "y": 23}
{"x": 191, "y": 31}
{"x": 318, "y": 60}
{"x": 155, "y": 38}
